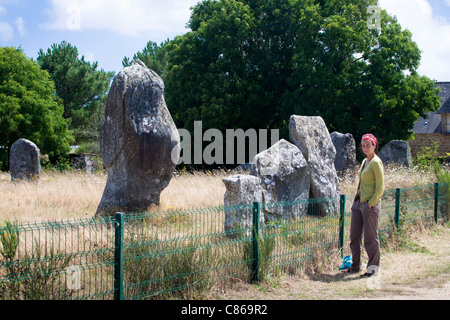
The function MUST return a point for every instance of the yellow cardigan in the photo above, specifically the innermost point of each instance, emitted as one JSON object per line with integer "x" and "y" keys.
{"x": 371, "y": 181}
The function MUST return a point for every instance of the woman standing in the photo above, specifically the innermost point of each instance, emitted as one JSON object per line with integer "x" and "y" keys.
{"x": 366, "y": 208}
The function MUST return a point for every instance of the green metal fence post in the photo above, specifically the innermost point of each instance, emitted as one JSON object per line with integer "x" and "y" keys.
{"x": 118, "y": 256}
{"x": 255, "y": 241}
{"x": 342, "y": 224}
{"x": 436, "y": 202}
{"x": 397, "y": 207}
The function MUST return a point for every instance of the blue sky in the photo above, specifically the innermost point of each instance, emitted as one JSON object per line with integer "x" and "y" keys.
{"x": 108, "y": 30}
{"x": 103, "y": 30}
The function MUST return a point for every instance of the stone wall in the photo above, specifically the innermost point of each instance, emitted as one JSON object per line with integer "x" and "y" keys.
{"x": 427, "y": 139}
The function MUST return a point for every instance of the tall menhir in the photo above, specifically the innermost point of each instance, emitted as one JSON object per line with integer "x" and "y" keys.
{"x": 139, "y": 142}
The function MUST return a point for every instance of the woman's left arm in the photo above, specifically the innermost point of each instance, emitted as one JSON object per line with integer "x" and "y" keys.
{"x": 379, "y": 183}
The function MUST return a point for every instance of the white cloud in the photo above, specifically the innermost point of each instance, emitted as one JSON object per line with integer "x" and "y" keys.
{"x": 135, "y": 18}
{"x": 89, "y": 56}
{"x": 20, "y": 25}
{"x": 2, "y": 5}
{"x": 430, "y": 31}
{"x": 6, "y": 31}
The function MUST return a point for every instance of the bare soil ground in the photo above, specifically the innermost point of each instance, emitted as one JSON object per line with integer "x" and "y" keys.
{"x": 419, "y": 272}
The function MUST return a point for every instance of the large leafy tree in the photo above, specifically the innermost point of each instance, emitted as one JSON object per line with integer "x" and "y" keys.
{"x": 153, "y": 55}
{"x": 81, "y": 86}
{"x": 216, "y": 71}
{"x": 29, "y": 107}
{"x": 358, "y": 79}
{"x": 253, "y": 63}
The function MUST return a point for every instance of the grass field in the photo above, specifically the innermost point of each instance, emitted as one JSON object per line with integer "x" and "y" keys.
{"x": 74, "y": 194}
{"x": 60, "y": 196}
{"x": 418, "y": 271}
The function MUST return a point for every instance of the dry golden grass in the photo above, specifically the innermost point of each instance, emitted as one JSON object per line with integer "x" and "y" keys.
{"x": 194, "y": 190}
{"x": 57, "y": 196}
{"x": 395, "y": 177}
{"x": 76, "y": 195}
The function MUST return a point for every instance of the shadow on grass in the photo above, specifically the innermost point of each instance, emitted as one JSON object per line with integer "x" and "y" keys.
{"x": 338, "y": 276}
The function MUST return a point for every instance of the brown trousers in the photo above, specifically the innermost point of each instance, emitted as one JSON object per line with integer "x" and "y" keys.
{"x": 365, "y": 220}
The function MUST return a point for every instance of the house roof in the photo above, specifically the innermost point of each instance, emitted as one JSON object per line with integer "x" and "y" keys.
{"x": 432, "y": 124}
{"x": 445, "y": 97}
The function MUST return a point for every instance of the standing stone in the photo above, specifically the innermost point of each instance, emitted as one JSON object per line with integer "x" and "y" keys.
{"x": 311, "y": 136}
{"x": 396, "y": 152}
{"x": 278, "y": 180}
{"x": 139, "y": 142}
{"x": 241, "y": 192}
{"x": 25, "y": 161}
{"x": 284, "y": 176}
{"x": 345, "y": 161}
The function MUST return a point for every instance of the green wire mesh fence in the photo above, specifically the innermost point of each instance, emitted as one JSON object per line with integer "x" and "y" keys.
{"x": 402, "y": 207}
{"x": 178, "y": 253}
{"x": 43, "y": 261}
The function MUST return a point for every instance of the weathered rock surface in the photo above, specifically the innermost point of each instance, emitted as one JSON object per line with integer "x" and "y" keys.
{"x": 396, "y": 152}
{"x": 311, "y": 136}
{"x": 278, "y": 175}
{"x": 284, "y": 176}
{"x": 345, "y": 160}
{"x": 25, "y": 161}
{"x": 241, "y": 192}
{"x": 287, "y": 178}
{"x": 139, "y": 142}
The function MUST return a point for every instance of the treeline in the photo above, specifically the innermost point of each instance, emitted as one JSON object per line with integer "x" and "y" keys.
{"x": 56, "y": 101}
{"x": 242, "y": 64}
{"x": 254, "y": 63}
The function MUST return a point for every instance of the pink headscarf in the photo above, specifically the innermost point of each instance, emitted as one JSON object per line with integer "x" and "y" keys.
{"x": 371, "y": 138}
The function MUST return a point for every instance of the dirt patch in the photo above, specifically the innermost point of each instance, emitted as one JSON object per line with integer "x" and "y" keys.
{"x": 420, "y": 272}
{"x": 433, "y": 288}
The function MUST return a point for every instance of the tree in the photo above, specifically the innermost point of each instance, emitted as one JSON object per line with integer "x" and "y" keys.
{"x": 82, "y": 88}
{"x": 29, "y": 107}
{"x": 358, "y": 79}
{"x": 254, "y": 63}
{"x": 223, "y": 72}
{"x": 154, "y": 57}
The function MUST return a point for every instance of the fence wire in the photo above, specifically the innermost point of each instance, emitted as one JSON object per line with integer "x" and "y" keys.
{"x": 180, "y": 253}
{"x": 57, "y": 260}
